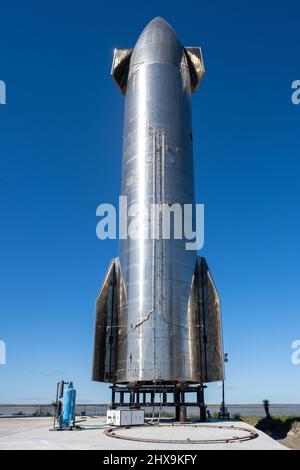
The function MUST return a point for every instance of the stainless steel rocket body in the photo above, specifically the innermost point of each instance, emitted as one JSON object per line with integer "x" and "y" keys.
{"x": 157, "y": 168}
{"x": 161, "y": 324}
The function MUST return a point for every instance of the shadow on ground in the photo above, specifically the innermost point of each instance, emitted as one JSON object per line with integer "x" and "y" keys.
{"x": 278, "y": 427}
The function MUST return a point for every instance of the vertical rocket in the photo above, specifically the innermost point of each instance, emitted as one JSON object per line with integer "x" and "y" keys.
{"x": 158, "y": 311}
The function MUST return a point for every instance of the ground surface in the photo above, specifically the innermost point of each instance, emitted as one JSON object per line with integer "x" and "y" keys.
{"x": 292, "y": 440}
{"x": 284, "y": 429}
{"x": 33, "y": 433}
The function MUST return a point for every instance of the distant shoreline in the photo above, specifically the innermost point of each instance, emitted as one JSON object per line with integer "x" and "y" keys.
{"x": 99, "y": 409}
{"x": 108, "y": 404}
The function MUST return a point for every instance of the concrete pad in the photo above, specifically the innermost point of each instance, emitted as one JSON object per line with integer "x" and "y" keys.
{"x": 33, "y": 433}
{"x": 185, "y": 433}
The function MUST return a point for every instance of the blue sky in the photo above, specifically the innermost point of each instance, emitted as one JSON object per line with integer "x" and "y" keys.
{"x": 60, "y": 156}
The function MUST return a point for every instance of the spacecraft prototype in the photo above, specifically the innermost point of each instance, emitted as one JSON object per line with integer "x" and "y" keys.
{"x": 158, "y": 321}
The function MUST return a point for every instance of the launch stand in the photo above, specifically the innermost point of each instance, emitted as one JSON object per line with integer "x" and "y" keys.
{"x": 138, "y": 396}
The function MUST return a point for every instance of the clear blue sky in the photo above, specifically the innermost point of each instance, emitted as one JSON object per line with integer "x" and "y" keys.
{"x": 60, "y": 156}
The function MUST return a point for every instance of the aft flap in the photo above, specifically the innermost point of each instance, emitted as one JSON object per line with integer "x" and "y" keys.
{"x": 207, "y": 304}
{"x": 106, "y": 325}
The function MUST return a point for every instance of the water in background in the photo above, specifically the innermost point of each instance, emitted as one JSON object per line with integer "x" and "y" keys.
{"x": 100, "y": 410}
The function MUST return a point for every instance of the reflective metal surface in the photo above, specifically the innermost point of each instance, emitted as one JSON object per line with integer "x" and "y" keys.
{"x": 166, "y": 319}
{"x": 110, "y": 301}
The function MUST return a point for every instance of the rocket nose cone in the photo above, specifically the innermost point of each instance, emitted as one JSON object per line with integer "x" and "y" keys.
{"x": 159, "y": 23}
{"x": 157, "y": 43}
{"x": 159, "y": 31}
